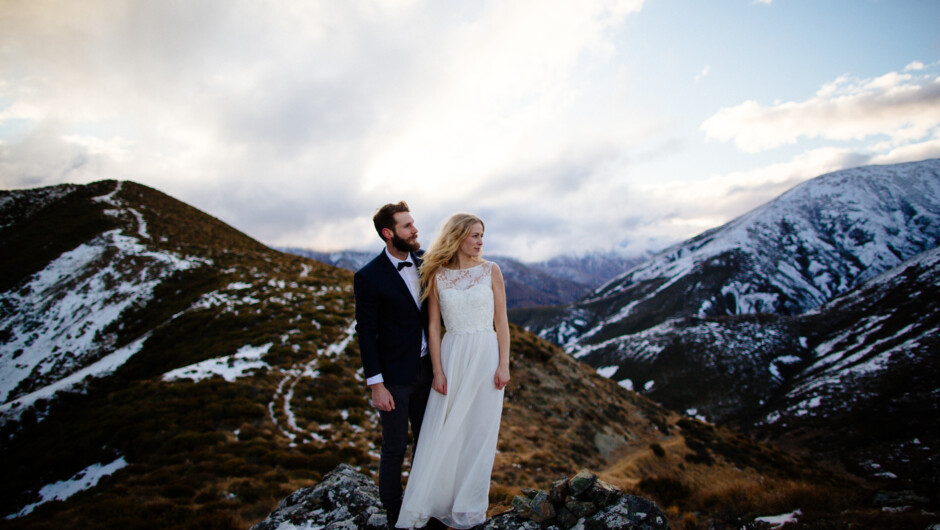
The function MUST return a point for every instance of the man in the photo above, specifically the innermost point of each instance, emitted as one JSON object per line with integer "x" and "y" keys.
{"x": 391, "y": 323}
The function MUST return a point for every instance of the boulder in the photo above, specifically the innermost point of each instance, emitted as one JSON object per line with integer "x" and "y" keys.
{"x": 348, "y": 499}
{"x": 343, "y": 499}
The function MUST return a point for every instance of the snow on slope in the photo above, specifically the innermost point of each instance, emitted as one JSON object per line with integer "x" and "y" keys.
{"x": 83, "y": 480}
{"x": 56, "y": 320}
{"x": 882, "y": 336}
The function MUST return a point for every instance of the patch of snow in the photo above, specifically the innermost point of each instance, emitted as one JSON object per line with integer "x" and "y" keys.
{"x": 779, "y": 520}
{"x": 641, "y": 346}
{"x": 783, "y": 360}
{"x": 101, "y": 368}
{"x": 626, "y": 383}
{"x": 649, "y": 385}
{"x": 111, "y": 198}
{"x": 608, "y": 371}
{"x": 81, "y": 481}
{"x": 230, "y": 367}
{"x": 141, "y": 223}
{"x": 340, "y": 347}
{"x": 804, "y": 407}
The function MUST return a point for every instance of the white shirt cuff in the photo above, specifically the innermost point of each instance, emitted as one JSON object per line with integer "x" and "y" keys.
{"x": 375, "y": 379}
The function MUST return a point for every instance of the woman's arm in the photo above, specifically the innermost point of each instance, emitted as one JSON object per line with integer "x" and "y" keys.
{"x": 434, "y": 341}
{"x": 501, "y": 322}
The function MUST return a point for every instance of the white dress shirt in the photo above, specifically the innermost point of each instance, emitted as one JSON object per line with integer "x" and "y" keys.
{"x": 410, "y": 275}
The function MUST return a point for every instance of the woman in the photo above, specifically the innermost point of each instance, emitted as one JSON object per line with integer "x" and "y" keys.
{"x": 450, "y": 475}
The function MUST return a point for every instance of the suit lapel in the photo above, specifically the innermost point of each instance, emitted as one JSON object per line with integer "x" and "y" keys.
{"x": 398, "y": 281}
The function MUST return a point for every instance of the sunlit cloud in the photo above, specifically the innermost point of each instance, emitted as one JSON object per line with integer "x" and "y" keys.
{"x": 902, "y": 107}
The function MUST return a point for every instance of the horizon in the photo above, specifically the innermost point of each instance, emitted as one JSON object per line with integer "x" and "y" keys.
{"x": 603, "y": 126}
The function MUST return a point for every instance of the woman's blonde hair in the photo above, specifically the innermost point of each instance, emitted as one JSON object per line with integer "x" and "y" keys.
{"x": 444, "y": 249}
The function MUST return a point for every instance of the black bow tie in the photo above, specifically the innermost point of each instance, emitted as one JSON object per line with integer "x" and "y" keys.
{"x": 403, "y": 264}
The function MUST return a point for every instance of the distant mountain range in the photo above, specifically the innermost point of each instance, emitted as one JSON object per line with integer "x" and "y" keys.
{"x": 161, "y": 369}
{"x": 557, "y": 281}
{"x": 812, "y": 319}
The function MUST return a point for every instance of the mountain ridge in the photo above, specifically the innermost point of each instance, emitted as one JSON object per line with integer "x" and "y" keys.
{"x": 559, "y": 280}
{"x": 816, "y": 262}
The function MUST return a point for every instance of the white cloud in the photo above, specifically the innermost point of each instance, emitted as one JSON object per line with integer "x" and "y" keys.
{"x": 292, "y": 121}
{"x": 704, "y": 73}
{"x": 900, "y": 106}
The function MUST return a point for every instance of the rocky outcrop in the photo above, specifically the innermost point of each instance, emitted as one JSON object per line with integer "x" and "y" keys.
{"x": 343, "y": 499}
{"x": 348, "y": 499}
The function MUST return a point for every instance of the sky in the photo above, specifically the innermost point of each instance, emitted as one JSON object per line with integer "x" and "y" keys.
{"x": 569, "y": 127}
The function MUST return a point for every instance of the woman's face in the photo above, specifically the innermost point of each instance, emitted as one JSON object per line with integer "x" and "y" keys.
{"x": 472, "y": 245}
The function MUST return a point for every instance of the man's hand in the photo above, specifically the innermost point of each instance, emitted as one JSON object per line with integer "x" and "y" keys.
{"x": 382, "y": 398}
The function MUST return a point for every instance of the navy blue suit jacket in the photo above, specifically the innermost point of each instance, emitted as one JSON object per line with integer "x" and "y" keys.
{"x": 388, "y": 322}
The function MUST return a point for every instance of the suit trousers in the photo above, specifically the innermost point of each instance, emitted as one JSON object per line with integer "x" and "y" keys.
{"x": 410, "y": 402}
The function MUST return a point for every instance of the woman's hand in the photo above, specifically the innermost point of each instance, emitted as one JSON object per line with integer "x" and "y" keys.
{"x": 439, "y": 384}
{"x": 502, "y": 377}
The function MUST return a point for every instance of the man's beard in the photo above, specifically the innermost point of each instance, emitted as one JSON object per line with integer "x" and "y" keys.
{"x": 403, "y": 245}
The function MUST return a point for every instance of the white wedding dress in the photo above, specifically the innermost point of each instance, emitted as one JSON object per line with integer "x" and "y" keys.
{"x": 450, "y": 475}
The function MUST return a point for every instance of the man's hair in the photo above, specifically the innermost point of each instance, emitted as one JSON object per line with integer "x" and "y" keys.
{"x": 385, "y": 216}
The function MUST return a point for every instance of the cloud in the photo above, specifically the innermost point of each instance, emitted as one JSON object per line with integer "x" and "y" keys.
{"x": 900, "y": 106}
{"x": 292, "y": 121}
{"x": 703, "y": 74}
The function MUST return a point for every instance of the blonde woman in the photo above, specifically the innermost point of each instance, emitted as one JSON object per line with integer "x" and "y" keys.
{"x": 450, "y": 475}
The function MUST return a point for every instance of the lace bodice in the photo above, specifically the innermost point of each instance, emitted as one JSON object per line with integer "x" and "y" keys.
{"x": 466, "y": 298}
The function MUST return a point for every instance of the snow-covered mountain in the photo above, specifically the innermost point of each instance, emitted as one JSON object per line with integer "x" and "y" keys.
{"x": 560, "y": 280}
{"x": 816, "y": 378}
{"x": 868, "y": 382}
{"x": 351, "y": 260}
{"x": 592, "y": 268}
{"x": 791, "y": 255}
{"x": 812, "y": 320}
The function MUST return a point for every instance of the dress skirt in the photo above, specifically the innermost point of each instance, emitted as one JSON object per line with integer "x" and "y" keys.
{"x": 450, "y": 475}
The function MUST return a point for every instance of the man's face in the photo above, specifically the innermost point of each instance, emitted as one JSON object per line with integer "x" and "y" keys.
{"x": 405, "y": 237}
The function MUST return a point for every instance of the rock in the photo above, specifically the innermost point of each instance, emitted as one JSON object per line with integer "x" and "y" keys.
{"x": 898, "y": 499}
{"x": 510, "y": 521}
{"x": 522, "y": 505}
{"x": 602, "y": 494}
{"x": 581, "y": 482}
{"x": 345, "y": 499}
{"x": 631, "y": 512}
{"x": 580, "y": 508}
{"x": 559, "y": 490}
{"x": 565, "y": 518}
{"x": 542, "y": 508}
